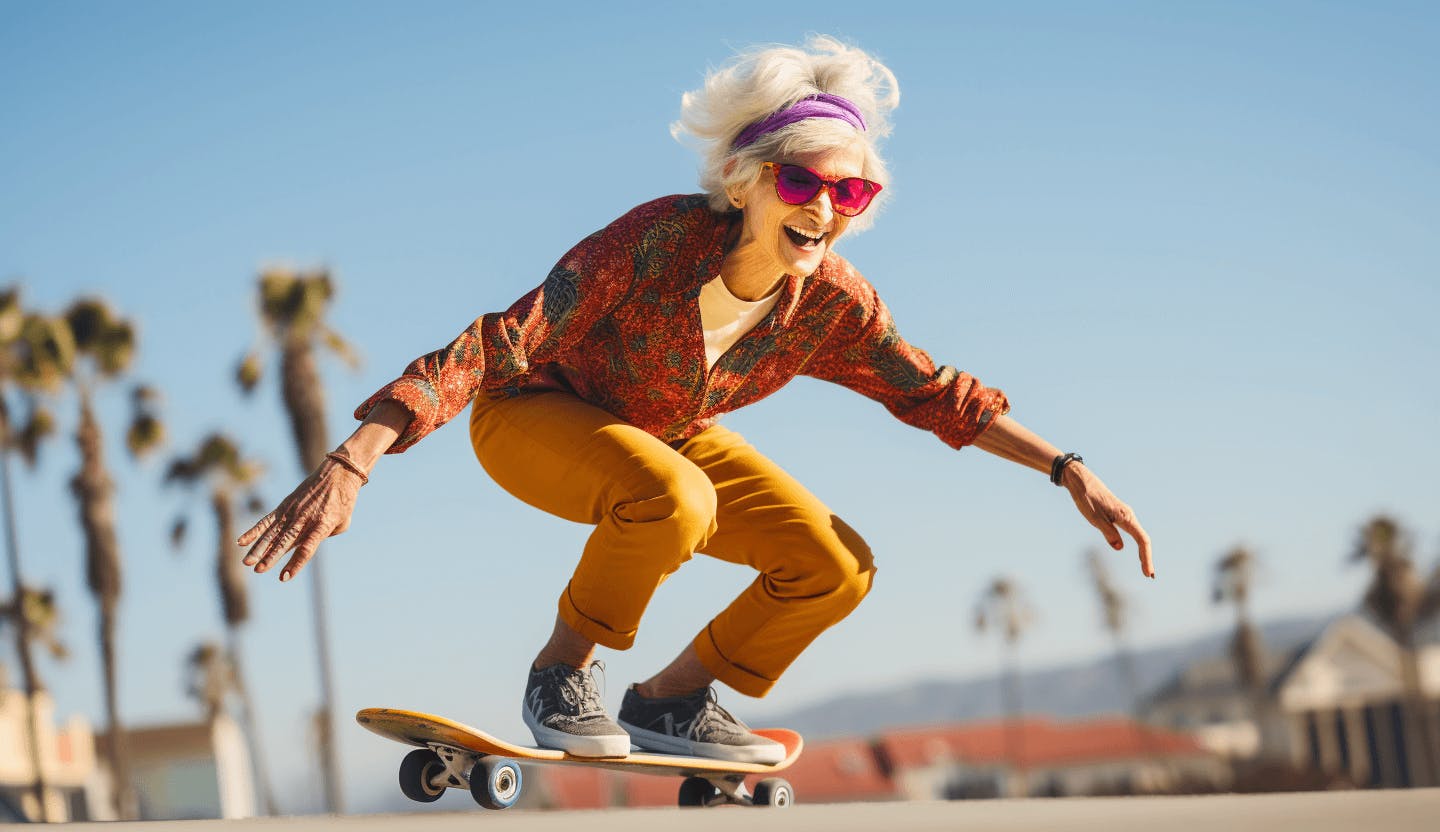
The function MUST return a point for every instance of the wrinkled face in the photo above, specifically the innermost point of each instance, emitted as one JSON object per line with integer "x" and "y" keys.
{"x": 794, "y": 238}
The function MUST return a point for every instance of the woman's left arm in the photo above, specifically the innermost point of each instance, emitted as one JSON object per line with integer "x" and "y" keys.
{"x": 1008, "y": 439}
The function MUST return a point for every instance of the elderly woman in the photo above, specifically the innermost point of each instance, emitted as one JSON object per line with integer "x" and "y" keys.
{"x": 597, "y": 396}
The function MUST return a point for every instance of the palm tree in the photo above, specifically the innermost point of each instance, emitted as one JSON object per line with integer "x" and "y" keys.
{"x": 105, "y": 346}
{"x": 292, "y": 309}
{"x": 218, "y": 466}
{"x": 1003, "y": 607}
{"x": 1401, "y": 601}
{"x": 1234, "y": 576}
{"x": 1113, "y": 609}
{"x": 35, "y": 353}
{"x": 209, "y": 678}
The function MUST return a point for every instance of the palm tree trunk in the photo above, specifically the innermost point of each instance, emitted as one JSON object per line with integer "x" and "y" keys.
{"x": 28, "y": 674}
{"x": 252, "y": 727}
{"x": 93, "y": 488}
{"x": 122, "y": 795}
{"x": 235, "y": 607}
{"x": 1015, "y": 728}
{"x": 305, "y": 404}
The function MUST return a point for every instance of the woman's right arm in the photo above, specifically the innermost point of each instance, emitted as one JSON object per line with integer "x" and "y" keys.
{"x": 321, "y": 506}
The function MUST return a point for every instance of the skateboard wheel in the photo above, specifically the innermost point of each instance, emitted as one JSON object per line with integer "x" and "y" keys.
{"x": 417, "y": 771}
{"x": 697, "y": 791}
{"x": 495, "y": 783}
{"x": 774, "y": 791}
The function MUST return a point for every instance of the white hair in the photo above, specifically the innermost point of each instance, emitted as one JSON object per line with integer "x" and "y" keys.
{"x": 762, "y": 80}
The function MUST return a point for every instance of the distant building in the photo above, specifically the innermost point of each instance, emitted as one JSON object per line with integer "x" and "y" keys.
{"x": 1335, "y": 705}
{"x": 67, "y": 758}
{"x": 1043, "y": 758}
{"x": 1110, "y": 756}
{"x": 190, "y": 770}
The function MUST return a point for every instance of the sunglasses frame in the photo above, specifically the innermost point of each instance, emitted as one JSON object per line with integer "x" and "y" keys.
{"x": 873, "y": 188}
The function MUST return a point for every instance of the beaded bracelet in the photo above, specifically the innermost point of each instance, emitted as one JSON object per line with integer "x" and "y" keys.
{"x": 348, "y": 464}
{"x": 1057, "y": 467}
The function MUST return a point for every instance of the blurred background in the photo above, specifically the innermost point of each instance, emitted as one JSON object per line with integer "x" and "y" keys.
{"x": 1194, "y": 243}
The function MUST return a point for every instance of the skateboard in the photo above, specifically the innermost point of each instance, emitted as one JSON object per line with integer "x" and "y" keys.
{"x": 452, "y": 755}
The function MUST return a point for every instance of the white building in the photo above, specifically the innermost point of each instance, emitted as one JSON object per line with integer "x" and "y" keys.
{"x": 1334, "y": 705}
{"x": 190, "y": 770}
{"x": 67, "y": 758}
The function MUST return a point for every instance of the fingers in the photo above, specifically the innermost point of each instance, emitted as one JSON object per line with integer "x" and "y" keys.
{"x": 318, "y": 508}
{"x": 1142, "y": 539}
{"x": 1124, "y": 518}
{"x": 254, "y": 531}
{"x": 1111, "y": 519}
{"x": 303, "y": 553}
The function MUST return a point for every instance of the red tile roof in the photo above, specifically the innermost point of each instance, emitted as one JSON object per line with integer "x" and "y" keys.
{"x": 1032, "y": 743}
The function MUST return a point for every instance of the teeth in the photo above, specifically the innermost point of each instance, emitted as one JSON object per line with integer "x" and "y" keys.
{"x": 814, "y": 235}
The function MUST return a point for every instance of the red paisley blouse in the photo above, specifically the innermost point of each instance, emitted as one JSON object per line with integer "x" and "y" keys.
{"x": 617, "y": 323}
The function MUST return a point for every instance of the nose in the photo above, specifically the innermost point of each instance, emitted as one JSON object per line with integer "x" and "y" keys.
{"x": 821, "y": 208}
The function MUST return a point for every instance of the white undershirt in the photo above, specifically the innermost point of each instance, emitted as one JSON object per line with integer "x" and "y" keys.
{"x": 726, "y": 318}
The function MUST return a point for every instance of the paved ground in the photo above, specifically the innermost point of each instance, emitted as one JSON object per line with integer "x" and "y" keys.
{"x": 1368, "y": 811}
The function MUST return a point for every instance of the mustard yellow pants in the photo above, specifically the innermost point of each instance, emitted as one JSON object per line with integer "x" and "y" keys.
{"x": 654, "y": 506}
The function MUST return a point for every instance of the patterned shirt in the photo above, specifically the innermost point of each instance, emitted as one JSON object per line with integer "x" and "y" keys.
{"x": 617, "y": 323}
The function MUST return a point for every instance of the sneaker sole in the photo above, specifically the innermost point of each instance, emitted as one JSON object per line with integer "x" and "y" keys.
{"x": 768, "y": 752}
{"x": 603, "y": 745}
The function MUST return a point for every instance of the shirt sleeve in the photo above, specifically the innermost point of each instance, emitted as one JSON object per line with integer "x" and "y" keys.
{"x": 866, "y": 354}
{"x": 500, "y": 347}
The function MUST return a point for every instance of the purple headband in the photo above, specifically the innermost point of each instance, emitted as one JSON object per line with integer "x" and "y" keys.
{"x": 820, "y": 105}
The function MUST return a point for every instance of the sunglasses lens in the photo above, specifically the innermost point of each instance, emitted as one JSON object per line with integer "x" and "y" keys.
{"x": 851, "y": 195}
{"x": 796, "y": 185}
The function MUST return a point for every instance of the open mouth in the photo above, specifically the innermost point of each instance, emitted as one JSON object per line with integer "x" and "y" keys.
{"x": 805, "y": 239}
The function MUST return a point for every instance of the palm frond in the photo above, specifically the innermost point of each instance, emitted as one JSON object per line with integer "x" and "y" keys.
{"x": 145, "y": 435}
{"x": 117, "y": 349}
{"x": 44, "y": 353}
{"x": 1234, "y": 574}
{"x": 89, "y": 320}
{"x": 249, "y": 372}
{"x": 177, "y": 533}
{"x": 293, "y": 302}
{"x": 1396, "y": 594}
{"x": 1003, "y": 606}
{"x": 39, "y": 426}
{"x": 12, "y": 316}
{"x": 341, "y": 348}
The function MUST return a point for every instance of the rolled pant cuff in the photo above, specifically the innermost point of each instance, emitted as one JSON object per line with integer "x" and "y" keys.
{"x": 591, "y": 629}
{"x": 741, "y": 679}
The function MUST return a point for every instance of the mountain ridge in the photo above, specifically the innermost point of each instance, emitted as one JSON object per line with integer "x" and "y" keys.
{"x": 1071, "y": 691}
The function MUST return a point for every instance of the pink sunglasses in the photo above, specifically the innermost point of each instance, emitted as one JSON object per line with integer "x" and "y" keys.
{"x": 798, "y": 185}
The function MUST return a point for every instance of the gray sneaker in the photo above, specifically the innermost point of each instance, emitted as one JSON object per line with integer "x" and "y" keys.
{"x": 694, "y": 725}
{"x": 563, "y": 710}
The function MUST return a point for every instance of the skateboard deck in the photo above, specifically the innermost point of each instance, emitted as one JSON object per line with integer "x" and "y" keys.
{"x": 464, "y": 751}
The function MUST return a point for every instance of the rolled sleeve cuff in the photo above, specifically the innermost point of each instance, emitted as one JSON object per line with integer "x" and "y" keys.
{"x": 415, "y": 395}
{"x": 977, "y": 417}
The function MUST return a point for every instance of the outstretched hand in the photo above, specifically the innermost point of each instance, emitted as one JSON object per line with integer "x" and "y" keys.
{"x": 318, "y": 508}
{"x": 1107, "y": 513}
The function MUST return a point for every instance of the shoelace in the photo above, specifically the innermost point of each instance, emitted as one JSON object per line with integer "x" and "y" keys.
{"x": 584, "y": 693}
{"x": 711, "y": 713}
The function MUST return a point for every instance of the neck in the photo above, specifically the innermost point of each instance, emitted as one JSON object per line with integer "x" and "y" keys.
{"x": 749, "y": 274}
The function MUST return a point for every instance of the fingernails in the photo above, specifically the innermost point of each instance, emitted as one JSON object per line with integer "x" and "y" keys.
{"x": 1116, "y": 545}
{"x": 284, "y": 576}
{"x": 251, "y": 561}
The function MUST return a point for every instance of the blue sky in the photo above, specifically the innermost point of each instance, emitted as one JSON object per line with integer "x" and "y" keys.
{"x": 1195, "y": 243}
